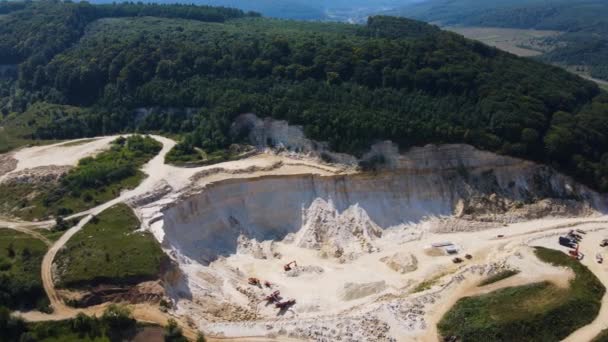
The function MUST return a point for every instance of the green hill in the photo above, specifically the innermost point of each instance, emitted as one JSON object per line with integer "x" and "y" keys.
{"x": 350, "y": 85}
{"x": 584, "y": 23}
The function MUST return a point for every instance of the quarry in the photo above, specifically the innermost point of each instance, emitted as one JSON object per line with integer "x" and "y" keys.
{"x": 298, "y": 242}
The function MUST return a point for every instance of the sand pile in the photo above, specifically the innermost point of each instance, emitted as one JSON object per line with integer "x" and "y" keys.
{"x": 401, "y": 262}
{"x": 340, "y": 234}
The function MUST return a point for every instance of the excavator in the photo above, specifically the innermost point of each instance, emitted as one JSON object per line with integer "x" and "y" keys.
{"x": 285, "y": 304}
{"x": 274, "y": 297}
{"x": 288, "y": 266}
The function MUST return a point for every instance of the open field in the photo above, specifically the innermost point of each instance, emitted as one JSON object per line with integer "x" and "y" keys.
{"x": 20, "y": 282}
{"x": 521, "y": 42}
{"x": 536, "y": 312}
{"x": 68, "y": 178}
{"x": 109, "y": 250}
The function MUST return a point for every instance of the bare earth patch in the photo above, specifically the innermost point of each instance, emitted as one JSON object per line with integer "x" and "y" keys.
{"x": 7, "y": 163}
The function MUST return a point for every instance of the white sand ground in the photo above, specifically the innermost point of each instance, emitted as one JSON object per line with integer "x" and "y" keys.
{"x": 325, "y": 309}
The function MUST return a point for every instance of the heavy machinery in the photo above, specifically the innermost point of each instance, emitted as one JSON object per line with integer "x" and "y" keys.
{"x": 288, "y": 266}
{"x": 274, "y": 297}
{"x": 567, "y": 242}
{"x": 254, "y": 281}
{"x": 575, "y": 236}
{"x": 576, "y": 254}
{"x": 285, "y": 304}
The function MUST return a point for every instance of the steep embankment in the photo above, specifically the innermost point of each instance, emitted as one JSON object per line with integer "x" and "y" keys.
{"x": 426, "y": 182}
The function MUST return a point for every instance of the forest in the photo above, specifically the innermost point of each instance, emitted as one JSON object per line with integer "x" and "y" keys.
{"x": 163, "y": 70}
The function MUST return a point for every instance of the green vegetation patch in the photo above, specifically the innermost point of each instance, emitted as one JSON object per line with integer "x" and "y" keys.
{"x": 94, "y": 181}
{"x": 533, "y": 312}
{"x": 20, "y": 260}
{"x": 109, "y": 250}
{"x": 116, "y": 324}
{"x": 498, "y": 277}
{"x": 602, "y": 337}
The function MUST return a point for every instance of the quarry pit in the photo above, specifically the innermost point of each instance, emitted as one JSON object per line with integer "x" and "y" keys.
{"x": 365, "y": 244}
{"x": 373, "y": 255}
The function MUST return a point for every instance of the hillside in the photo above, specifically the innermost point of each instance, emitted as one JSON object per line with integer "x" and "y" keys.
{"x": 584, "y": 22}
{"x": 191, "y": 70}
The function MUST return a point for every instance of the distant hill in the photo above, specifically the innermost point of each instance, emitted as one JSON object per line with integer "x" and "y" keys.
{"x": 86, "y": 70}
{"x": 328, "y": 10}
{"x": 585, "y": 23}
{"x": 288, "y": 9}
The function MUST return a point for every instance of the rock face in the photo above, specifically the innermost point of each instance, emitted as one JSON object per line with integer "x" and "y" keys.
{"x": 279, "y": 134}
{"x": 401, "y": 262}
{"x": 432, "y": 181}
{"x": 324, "y": 226}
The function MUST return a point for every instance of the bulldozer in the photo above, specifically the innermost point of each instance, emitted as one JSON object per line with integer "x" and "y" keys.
{"x": 288, "y": 266}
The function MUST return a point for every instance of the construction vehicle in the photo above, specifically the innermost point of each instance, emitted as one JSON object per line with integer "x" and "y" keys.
{"x": 574, "y": 236}
{"x": 254, "y": 281}
{"x": 599, "y": 258}
{"x": 274, "y": 297}
{"x": 576, "y": 254}
{"x": 604, "y": 243}
{"x": 567, "y": 242}
{"x": 457, "y": 260}
{"x": 285, "y": 304}
{"x": 288, "y": 266}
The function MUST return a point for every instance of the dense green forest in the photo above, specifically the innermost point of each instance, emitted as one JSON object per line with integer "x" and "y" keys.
{"x": 584, "y": 23}
{"x": 346, "y": 84}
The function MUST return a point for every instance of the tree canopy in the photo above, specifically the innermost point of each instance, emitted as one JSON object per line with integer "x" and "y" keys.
{"x": 350, "y": 85}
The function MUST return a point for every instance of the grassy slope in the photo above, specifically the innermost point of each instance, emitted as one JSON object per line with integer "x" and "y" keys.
{"x": 16, "y": 130}
{"x": 498, "y": 277}
{"x": 110, "y": 251}
{"x": 602, "y": 337}
{"x": 534, "y": 312}
{"x": 33, "y": 207}
{"x": 20, "y": 282}
{"x": 39, "y": 201}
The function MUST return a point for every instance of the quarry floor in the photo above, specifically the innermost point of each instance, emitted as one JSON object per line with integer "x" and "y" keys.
{"x": 322, "y": 299}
